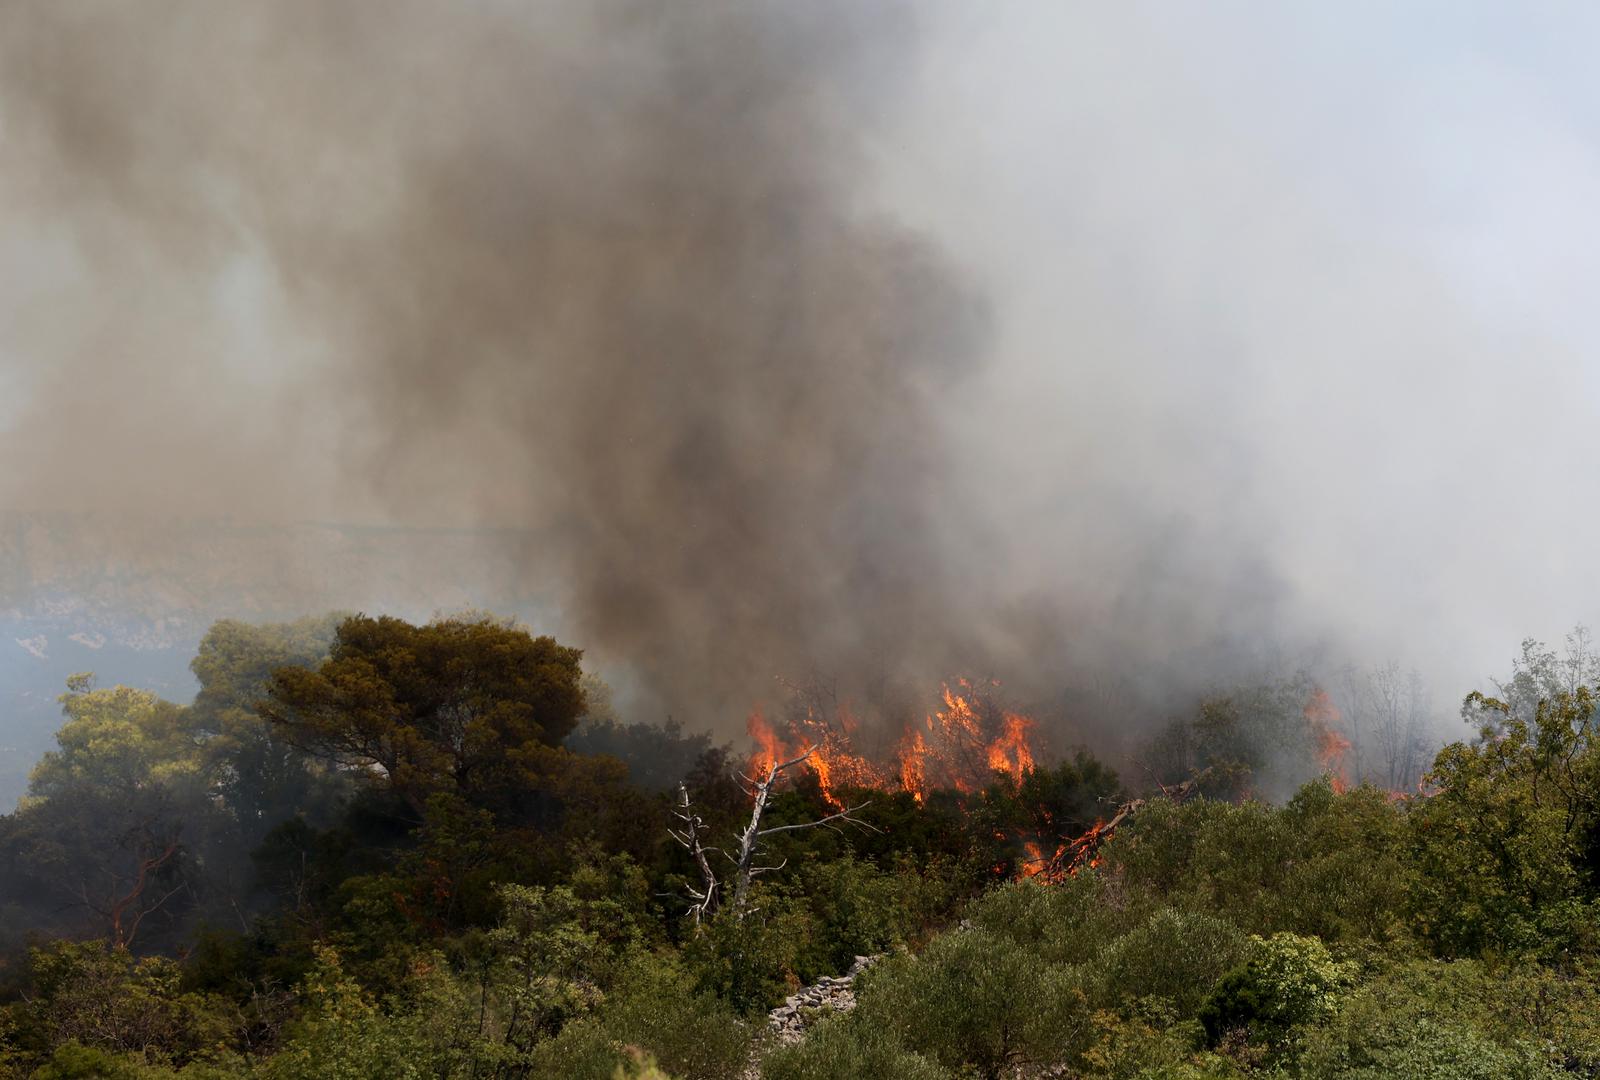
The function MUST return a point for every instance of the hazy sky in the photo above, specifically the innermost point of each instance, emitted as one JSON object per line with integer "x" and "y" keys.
{"x": 1126, "y": 336}
{"x": 1309, "y": 281}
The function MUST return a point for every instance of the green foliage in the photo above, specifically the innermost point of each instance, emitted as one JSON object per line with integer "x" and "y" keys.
{"x": 1328, "y": 865}
{"x": 657, "y": 755}
{"x": 657, "y": 1009}
{"x": 1287, "y": 981}
{"x": 344, "y": 1035}
{"x": 469, "y": 707}
{"x": 1423, "y": 1020}
{"x": 114, "y": 740}
{"x": 1251, "y": 740}
{"x": 1174, "y": 955}
{"x": 847, "y": 1048}
{"x": 260, "y": 777}
{"x": 105, "y": 1001}
{"x": 976, "y": 999}
{"x": 1067, "y": 923}
{"x": 751, "y": 963}
{"x": 861, "y": 910}
{"x": 1145, "y": 1041}
{"x": 552, "y": 952}
{"x": 1499, "y": 845}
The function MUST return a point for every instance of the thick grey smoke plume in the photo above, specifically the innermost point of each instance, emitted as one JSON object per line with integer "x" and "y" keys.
{"x": 596, "y": 274}
{"x": 887, "y": 341}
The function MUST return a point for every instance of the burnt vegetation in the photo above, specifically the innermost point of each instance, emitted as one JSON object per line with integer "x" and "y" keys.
{"x": 373, "y": 849}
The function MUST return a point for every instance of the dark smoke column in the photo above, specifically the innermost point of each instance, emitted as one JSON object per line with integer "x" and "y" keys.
{"x": 603, "y": 274}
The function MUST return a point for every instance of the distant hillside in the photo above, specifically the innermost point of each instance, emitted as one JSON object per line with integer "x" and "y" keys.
{"x": 130, "y": 600}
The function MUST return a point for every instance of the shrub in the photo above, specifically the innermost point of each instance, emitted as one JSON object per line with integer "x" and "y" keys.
{"x": 1287, "y": 981}
{"x": 977, "y": 999}
{"x": 846, "y": 1048}
{"x": 1071, "y": 922}
{"x": 1174, "y": 955}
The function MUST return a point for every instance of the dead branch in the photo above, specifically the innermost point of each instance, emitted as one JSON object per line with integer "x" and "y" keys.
{"x": 1073, "y": 855}
{"x": 705, "y": 899}
{"x": 750, "y": 840}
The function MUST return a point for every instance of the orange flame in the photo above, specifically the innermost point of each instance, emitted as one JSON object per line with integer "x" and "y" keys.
{"x": 1321, "y": 716}
{"x": 959, "y": 746}
{"x": 914, "y": 765}
{"x": 1010, "y": 753}
{"x": 766, "y": 740}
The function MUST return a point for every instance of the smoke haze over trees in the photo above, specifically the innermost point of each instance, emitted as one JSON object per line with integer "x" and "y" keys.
{"x": 973, "y": 519}
{"x": 887, "y": 341}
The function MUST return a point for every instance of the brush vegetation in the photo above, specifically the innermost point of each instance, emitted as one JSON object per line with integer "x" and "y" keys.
{"x": 371, "y": 849}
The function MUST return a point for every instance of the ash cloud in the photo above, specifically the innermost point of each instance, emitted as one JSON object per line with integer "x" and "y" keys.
{"x": 594, "y": 274}
{"x": 889, "y": 341}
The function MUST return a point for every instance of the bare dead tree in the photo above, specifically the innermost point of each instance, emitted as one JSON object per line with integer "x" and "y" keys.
{"x": 705, "y": 898}
{"x": 750, "y": 840}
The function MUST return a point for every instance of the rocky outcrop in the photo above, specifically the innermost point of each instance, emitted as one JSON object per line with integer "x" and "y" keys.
{"x": 836, "y": 993}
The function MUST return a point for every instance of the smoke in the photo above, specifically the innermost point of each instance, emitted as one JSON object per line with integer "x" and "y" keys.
{"x": 596, "y": 274}
{"x": 886, "y": 341}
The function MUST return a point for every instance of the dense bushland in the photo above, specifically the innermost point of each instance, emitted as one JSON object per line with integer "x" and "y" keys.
{"x": 372, "y": 849}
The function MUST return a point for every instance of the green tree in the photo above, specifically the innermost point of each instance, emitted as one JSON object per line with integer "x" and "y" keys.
{"x": 116, "y": 818}
{"x": 468, "y": 707}
{"x": 106, "y": 1001}
{"x": 1502, "y": 844}
{"x": 848, "y": 1047}
{"x": 344, "y": 1035}
{"x": 260, "y": 777}
{"x": 1287, "y": 981}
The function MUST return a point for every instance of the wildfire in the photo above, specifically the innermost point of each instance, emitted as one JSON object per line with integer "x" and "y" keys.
{"x": 1321, "y": 717}
{"x": 959, "y": 746}
{"x": 766, "y": 740}
{"x": 913, "y": 764}
{"x": 1010, "y": 753}
{"x": 830, "y": 758}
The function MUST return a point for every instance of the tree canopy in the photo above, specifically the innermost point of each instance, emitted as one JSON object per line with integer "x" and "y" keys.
{"x": 468, "y": 707}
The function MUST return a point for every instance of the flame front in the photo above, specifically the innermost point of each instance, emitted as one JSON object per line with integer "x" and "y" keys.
{"x": 1010, "y": 753}
{"x": 960, "y": 746}
{"x": 1322, "y": 716}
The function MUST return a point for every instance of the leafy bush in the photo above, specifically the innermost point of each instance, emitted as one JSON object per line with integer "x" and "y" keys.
{"x": 1070, "y": 922}
{"x": 345, "y": 1036}
{"x": 1175, "y": 955}
{"x": 1423, "y": 1020}
{"x": 106, "y": 1000}
{"x": 655, "y": 1010}
{"x": 846, "y": 1048}
{"x": 976, "y": 999}
{"x": 752, "y": 963}
{"x": 1287, "y": 981}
